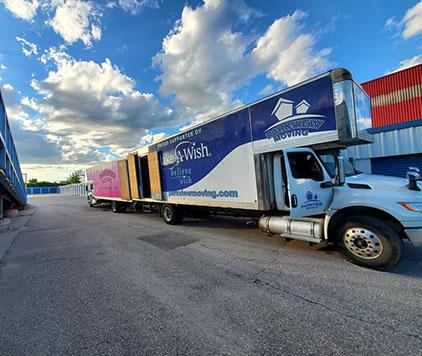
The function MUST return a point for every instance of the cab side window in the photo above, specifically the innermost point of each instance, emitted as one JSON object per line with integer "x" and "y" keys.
{"x": 305, "y": 165}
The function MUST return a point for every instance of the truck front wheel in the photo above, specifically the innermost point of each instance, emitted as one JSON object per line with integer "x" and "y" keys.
{"x": 115, "y": 206}
{"x": 369, "y": 242}
{"x": 171, "y": 214}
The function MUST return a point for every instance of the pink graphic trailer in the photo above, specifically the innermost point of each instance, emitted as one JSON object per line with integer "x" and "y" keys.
{"x": 105, "y": 177}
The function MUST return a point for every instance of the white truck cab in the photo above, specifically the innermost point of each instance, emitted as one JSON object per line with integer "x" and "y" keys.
{"x": 324, "y": 198}
{"x": 321, "y": 197}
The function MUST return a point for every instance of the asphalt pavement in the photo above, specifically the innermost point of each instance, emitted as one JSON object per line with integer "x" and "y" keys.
{"x": 85, "y": 281}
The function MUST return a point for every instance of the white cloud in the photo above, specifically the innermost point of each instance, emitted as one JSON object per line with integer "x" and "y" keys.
{"x": 58, "y": 56}
{"x": 96, "y": 32}
{"x": 24, "y": 9}
{"x": 7, "y": 87}
{"x": 407, "y": 63}
{"x": 287, "y": 54}
{"x": 204, "y": 59}
{"x": 35, "y": 85}
{"x": 391, "y": 22}
{"x": 28, "y": 48}
{"x": 149, "y": 138}
{"x": 3, "y": 67}
{"x": 31, "y": 103}
{"x": 110, "y": 5}
{"x": 412, "y": 21}
{"x": 134, "y": 6}
{"x": 50, "y": 172}
{"x": 94, "y": 105}
{"x": 268, "y": 89}
{"x": 73, "y": 21}
{"x": 410, "y": 25}
{"x": 87, "y": 112}
{"x": 16, "y": 112}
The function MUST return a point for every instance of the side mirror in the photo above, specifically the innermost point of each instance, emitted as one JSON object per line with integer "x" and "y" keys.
{"x": 413, "y": 175}
{"x": 341, "y": 174}
{"x": 327, "y": 184}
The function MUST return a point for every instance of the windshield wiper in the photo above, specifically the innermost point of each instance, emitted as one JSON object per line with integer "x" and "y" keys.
{"x": 354, "y": 173}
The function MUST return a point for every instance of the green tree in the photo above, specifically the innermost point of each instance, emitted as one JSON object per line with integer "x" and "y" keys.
{"x": 75, "y": 177}
{"x": 32, "y": 181}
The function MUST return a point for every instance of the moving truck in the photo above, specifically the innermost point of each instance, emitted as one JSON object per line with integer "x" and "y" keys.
{"x": 278, "y": 159}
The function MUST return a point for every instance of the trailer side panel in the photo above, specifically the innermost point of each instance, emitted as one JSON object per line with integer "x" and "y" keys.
{"x": 299, "y": 117}
{"x": 211, "y": 164}
{"x": 105, "y": 177}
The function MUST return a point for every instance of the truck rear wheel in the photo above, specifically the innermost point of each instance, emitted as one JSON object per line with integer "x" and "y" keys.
{"x": 171, "y": 214}
{"x": 369, "y": 242}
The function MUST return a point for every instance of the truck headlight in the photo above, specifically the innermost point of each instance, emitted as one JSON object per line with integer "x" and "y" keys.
{"x": 416, "y": 207}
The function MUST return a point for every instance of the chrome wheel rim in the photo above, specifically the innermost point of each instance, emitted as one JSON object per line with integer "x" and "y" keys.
{"x": 362, "y": 243}
{"x": 167, "y": 214}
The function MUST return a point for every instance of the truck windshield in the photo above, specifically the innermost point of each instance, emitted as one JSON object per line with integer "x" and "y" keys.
{"x": 329, "y": 161}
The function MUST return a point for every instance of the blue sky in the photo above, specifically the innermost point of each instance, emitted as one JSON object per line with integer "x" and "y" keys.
{"x": 85, "y": 81}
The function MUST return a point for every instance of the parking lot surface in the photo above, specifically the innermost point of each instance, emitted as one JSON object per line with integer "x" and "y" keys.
{"x": 85, "y": 281}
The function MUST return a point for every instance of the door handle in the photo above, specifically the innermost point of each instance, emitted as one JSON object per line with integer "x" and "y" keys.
{"x": 294, "y": 201}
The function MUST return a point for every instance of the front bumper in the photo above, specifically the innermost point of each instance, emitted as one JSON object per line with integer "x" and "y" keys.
{"x": 415, "y": 236}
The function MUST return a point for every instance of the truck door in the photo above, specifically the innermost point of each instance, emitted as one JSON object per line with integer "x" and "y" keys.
{"x": 154, "y": 175}
{"x": 134, "y": 177}
{"x": 305, "y": 174}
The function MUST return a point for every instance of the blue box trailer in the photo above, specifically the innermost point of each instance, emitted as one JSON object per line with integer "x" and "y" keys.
{"x": 279, "y": 159}
{"x": 224, "y": 162}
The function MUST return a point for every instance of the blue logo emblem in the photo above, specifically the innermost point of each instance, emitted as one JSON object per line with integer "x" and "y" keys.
{"x": 311, "y": 202}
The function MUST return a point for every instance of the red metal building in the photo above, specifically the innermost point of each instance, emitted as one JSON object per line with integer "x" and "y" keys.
{"x": 396, "y": 97}
{"x": 396, "y": 100}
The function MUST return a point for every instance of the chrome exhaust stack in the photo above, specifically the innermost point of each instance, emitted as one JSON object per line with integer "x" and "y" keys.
{"x": 306, "y": 229}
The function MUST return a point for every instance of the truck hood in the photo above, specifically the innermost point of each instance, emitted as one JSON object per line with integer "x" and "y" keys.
{"x": 386, "y": 183}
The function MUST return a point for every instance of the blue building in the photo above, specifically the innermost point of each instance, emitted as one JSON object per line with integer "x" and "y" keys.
{"x": 12, "y": 185}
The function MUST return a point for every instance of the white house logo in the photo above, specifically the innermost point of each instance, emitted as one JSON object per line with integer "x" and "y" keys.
{"x": 293, "y": 120}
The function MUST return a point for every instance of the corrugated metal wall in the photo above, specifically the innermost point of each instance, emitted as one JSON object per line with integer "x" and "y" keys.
{"x": 393, "y": 142}
{"x": 42, "y": 190}
{"x": 396, "y": 166}
{"x": 74, "y": 189}
{"x": 396, "y": 97}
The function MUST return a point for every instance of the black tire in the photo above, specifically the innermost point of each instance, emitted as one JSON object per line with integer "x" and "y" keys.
{"x": 115, "y": 207}
{"x": 369, "y": 242}
{"x": 90, "y": 198}
{"x": 172, "y": 214}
